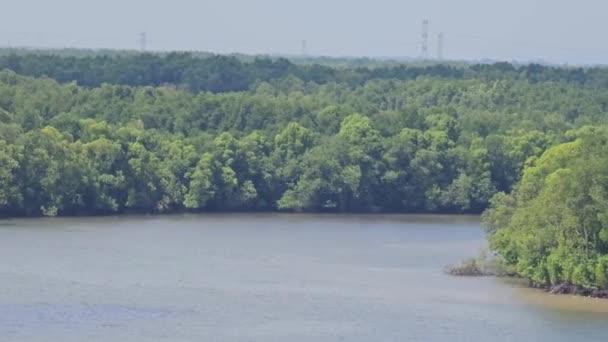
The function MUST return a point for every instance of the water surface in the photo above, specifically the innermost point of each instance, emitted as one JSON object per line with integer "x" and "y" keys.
{"x": 268, "y": 278}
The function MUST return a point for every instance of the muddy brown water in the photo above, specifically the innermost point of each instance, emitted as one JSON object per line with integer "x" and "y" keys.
{"x": 268, "y": 278}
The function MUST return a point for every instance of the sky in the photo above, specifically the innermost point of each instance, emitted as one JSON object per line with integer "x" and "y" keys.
{"x": 558, "y": 31}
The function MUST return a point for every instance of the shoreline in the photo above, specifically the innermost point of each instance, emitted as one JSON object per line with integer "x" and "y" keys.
{"x": 260, "y": 212}
{"x": 575, "y": 290}
{"x": 475, "y": 268}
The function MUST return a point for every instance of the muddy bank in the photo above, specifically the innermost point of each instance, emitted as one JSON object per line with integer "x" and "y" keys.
{"x": 490, "y": 268}
{"x": 567, "y": 289}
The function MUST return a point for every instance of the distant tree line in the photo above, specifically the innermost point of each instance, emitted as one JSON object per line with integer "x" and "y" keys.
{"x": 216, "y": 73}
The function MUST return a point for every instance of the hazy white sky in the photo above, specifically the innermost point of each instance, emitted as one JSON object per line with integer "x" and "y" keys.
{"x": 562, "y": 31}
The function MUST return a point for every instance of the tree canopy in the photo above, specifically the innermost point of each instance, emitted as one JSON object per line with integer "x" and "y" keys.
{"x": 553, "y": 229}
{"x": 149, "y": 133}
{"x": 219, "y": 73}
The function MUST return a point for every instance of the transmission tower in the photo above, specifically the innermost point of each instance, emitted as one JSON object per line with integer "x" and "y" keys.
{"x": 142, "y": 42}
{"x": 425, "y": 39}
{"x": 440, "y": 42}
{"x": 304, "y": 48}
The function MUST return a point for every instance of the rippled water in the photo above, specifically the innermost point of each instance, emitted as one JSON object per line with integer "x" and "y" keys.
{"x": 268, "y": 278}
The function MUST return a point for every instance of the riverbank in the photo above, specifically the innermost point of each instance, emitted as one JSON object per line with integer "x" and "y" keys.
{"x": 566, "y": 289}
{"x": 136, "y": 213}
{"x": 484, "y": 266}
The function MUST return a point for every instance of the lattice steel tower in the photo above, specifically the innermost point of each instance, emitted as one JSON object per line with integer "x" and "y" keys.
{"x": 142, "y": 42}
{"x": 440, "y": 41}
{"x": 425, "y": 39}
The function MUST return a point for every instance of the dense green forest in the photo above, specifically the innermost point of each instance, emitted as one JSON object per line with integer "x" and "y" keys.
{"x": 217, "y": 73}
{"x": 553, "y": 229}
{"x": 175, "y": 132}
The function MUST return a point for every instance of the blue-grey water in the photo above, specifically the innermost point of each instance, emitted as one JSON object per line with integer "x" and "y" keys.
{"x": 268, "y": 278}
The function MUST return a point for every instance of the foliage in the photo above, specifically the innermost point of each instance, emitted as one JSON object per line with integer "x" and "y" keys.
{"x": 218, "y": 73}
{"x": 553, "y": 229}
{"x": 103, "y": 134}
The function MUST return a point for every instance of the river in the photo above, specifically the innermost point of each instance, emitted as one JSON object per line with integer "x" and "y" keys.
{"x": 268, "y": 277}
